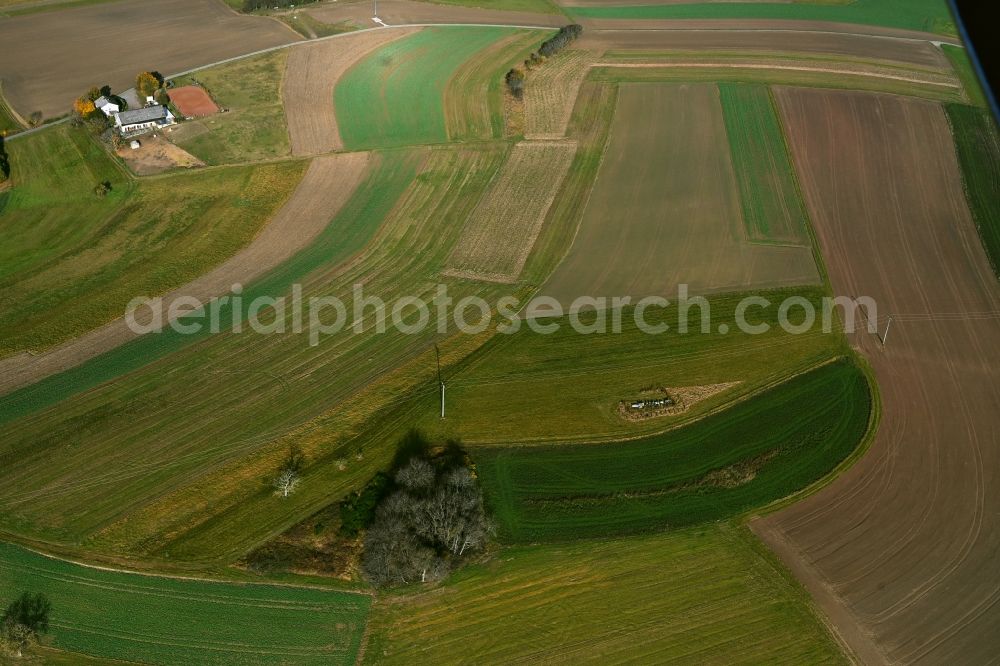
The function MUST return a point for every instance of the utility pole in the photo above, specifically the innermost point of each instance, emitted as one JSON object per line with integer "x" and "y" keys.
{"x": 375, "y": 8}
{"x": 437, "y": 355}
{"x": 886, "y": 334}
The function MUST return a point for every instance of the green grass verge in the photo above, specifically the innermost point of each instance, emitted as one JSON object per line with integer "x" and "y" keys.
{"x": 394, "y": 96}
{"x": 253, "y": 126}
{"x": 699, "y": 596}
{"x": 772, "y": 206}
{"x": 962, "y": 65}
{"x": 748, "y": 455}
{"x": 345, "y": 235}
{"x": 170, "y": 230}
{"x": 172, "y": 621}
{"x": 978, "y": 145}
{"x": 925, "y": 15}
{"x": 52, "y": 208}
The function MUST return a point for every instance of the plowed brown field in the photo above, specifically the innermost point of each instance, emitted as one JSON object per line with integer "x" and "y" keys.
{"x": 51, "y": 58}
{"x": 665, "y": 210}
{"x": 868, "y": 47}
{"x": 310, "y": 75}
{"x": 901, "y": 551}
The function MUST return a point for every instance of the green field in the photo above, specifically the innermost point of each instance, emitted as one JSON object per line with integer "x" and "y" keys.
{"x": 394, "y": 96}
{"x": 978, "y": 145}
{"x": 531, "y": 375}
{"x": 144, "y": 502}
{"x": 253, "y": 126}
{"x": 753, "y": 453}
{"x": 924, "y": 15}
{"x": 960, "y": 62}
{"x": 172, "y": 621}
{"x": 772, "y": 207}
{"x": 166, "y": 232}
{"x": 346, "y": 234}
{"x": 710, "y": 595}
{"x": 52, "y": 208}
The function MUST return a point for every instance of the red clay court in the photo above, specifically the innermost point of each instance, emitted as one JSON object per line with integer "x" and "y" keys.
{"x": 192, "y": 101}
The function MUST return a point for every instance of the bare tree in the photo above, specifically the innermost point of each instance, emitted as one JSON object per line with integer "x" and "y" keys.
{"x": 290, "y": 472}
{"x": 435, "y": 518}
{"x": 286, "y": 482}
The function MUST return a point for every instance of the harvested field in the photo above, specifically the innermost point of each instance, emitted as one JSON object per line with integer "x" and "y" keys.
{"x": 900, "y": 551}
{"x": 154, "y": 619}
{"x": 311, "y": 73}
{"x": 680, "y": 222}
{"x": 774, "y": 40}
{"x": 752, "y": 453}
{"x": 394, "y": 96}
{"x": 156, "y": 155}
{"x": 690, "y": 597}
{"x": 396, "y": 12}
{"x": 51, "y": 58}
{"x": 193, "y": 101}
{"x": 501, "y": 232}
{"x": 475, "y": 96}
{"x": 327, "y": 185}
{"x": 550, "y": 92}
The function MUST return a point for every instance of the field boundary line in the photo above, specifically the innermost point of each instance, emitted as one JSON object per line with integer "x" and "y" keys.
{"x": 197, "y": 579}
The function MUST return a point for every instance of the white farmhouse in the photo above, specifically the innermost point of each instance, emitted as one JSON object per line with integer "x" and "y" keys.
{"x": 142, "y": 120}
{"x": 106, "y": 106}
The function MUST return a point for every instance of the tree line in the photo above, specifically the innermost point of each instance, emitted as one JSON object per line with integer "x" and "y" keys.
{"x": 515, "y": 77}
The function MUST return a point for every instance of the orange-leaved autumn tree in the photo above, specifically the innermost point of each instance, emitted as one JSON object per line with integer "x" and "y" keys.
{"x": 83, "y": 106}
{"x": 146, "y": 84}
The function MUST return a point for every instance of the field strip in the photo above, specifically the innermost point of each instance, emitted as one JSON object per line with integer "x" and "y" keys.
{"x": 551, "y": 91}
{"x": 501, "y": 232}
{"x": 790, "y": 68}
{"x": 326, "y": 186}
{"x": 724, "y": 26}
{"x": 310, "y": 76}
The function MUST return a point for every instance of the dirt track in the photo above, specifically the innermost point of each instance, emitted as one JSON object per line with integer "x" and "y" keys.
{"x": 51, "y": 58}
{"x": 901, "y": 551}
{"x": 326, "y": 186}
{"x": 396, "y": 12}
{"x": 311, "y": 73}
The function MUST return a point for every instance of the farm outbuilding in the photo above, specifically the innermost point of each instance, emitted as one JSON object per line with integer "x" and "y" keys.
{"x": 141, "y": 120}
